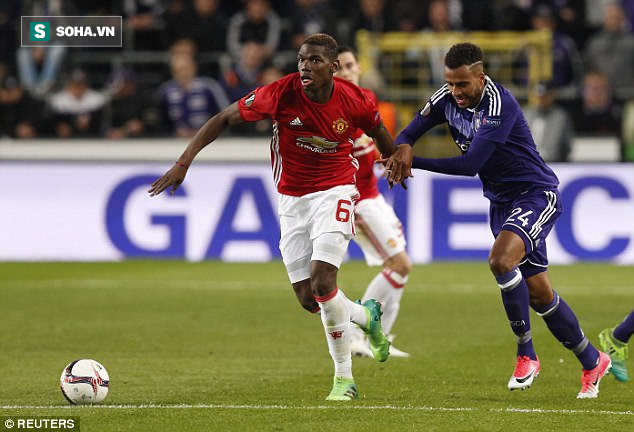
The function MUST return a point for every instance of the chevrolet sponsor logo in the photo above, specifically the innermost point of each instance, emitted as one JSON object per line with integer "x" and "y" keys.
{"x": 319, "y": 142}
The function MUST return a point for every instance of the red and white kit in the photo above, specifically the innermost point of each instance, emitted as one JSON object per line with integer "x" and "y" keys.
{"x": 311, "y": 153}
{"x": 379, "y": 232}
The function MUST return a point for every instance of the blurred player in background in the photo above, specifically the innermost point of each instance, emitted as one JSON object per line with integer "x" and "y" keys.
{"x": 614, "y": 342}
{"x": 315, "y": 117}
{"x": 488, "y": 126}
{"x": 379, "y": 233}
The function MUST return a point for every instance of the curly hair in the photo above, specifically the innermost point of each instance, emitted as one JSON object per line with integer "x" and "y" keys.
{"x": 324, "y": 40}
{"x": 463, "y": 54}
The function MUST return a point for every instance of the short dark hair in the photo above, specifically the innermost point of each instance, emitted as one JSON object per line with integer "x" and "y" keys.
{"x": 345, "y": 49}
{"x": 324, "y": 40}
{"x": 463, "y": 54}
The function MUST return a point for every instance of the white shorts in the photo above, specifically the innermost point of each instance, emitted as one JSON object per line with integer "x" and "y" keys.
{"x": 317, "y": 226}
{"x": 379, "y": 233}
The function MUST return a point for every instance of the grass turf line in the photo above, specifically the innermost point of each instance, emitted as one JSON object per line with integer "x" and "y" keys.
{"x": 232, "y": 335}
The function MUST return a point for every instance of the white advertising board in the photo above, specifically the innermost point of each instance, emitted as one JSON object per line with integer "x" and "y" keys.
{"x": 91, "y": 211}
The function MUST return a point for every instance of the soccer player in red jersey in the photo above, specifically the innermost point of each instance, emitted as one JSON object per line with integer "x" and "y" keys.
{"x": 379, "y": 232}
{"x": 314, "y": 118}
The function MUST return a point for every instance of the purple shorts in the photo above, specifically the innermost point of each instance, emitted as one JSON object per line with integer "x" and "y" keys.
{"x": 531, "y": 216}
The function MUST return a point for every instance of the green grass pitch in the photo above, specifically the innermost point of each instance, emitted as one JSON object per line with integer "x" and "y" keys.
{"x": 216, "y": 346}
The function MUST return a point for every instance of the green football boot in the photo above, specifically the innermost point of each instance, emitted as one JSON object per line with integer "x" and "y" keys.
{"x": 379, "y": 344}
{"x": 343, "y": 389}
{"x": 617, "y": 351}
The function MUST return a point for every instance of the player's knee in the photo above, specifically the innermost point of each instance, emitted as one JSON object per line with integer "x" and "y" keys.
{"x": 307, "y": 300}
{"x": 400, "y": 264}
{"x": 323, "y": 279}
{"x": 501, "y": 264}
{"x": 310, "y": 305}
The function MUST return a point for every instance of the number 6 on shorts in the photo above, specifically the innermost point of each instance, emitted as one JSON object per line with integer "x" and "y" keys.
{"x": 343, "y": 210}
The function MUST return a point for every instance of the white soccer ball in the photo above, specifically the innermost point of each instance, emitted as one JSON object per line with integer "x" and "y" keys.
{"x": 85, "y": 382}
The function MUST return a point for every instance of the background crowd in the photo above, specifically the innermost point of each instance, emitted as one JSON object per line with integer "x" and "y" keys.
{"x": 188, "y": 59}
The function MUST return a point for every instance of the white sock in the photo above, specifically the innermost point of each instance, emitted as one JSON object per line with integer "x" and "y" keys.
{"x": 387, "y": 289}
{"x": 358, "y": 314}
{"x": 391, "y": 310}
{"x": 335, "y": 317}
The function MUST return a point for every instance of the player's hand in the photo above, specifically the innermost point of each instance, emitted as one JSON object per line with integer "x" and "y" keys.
{"x": 398, "y": 166}
{"x": 173, "y": 177}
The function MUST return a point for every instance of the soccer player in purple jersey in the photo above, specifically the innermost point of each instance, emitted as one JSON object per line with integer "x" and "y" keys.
{"x": 488, "y": 126}
{"x": 614, "y": 342}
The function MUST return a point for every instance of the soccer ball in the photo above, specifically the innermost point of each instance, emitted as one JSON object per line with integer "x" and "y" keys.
{"x": 85, "y": 382}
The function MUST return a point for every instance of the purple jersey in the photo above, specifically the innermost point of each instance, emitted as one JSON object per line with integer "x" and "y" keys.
{"x": 494, "y": 139}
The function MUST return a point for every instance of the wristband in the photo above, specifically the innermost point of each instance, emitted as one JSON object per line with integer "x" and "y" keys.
{"x": 180, "y": 164}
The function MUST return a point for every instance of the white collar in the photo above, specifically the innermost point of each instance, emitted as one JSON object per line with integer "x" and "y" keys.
{"x": 487, "y": 81}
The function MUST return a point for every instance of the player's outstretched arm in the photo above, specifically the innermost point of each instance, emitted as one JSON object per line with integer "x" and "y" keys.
{"x": 397, "y": 163}
{"x": 205, "y": 135}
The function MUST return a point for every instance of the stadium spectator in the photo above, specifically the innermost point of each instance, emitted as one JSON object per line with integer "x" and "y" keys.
{"x": 185, "y": 46}
{"x": 611, "y": 51}
{"x": 315, "y": 177}
{"x": 205, "y": 23}
{"x": 40, "y": 68}
{"x": 594, "y": 14}
{"x": 20, "y": 113}
{"x": 257, "y": 22}
{"x": 77, "y": 110}
{"x": 597, "y": 113}
{"x": 614, "y": 342}
{"x": 567, "y": 70}
{"x": 628, "y": 10}
{"x": 408, "y": 21}
{"x": 243, "y": 75}
{"x": 144, "y": 18}
{"x": 269, "y": 75}
{"x": 176, "y": 19}
{"x": 550, "y": 125}
{"x": 439, "y": 19}
{"x": 311, "y": 16}
{"x": 188, "y": 100}
{"x": 571, "y": 20}
{"x": 188, "y": 47}
{"x": 477, "y": 15}
{"x": 486, "y": 122}
{"x": 208, "y": 26}
{"x": 9, "y": 14}
{"x": 378, "y": 231}
{"x": 373, "y": 16}
{"x": 512, "y": 15}
{"x": 127, "y": 113}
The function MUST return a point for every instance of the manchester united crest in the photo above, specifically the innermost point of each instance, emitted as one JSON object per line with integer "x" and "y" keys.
{"x": 340, "y": 125}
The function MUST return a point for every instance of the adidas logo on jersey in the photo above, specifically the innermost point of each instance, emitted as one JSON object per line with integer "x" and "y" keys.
{"x": 296, "y": 122}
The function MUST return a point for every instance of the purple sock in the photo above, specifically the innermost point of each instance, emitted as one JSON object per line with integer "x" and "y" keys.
{"x": 516, "y": 303}
{"x": 563, "y": 324}
{"x": 624, "y": 330}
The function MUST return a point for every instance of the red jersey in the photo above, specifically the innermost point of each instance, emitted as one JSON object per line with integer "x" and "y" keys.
{"x": 366, "y": 153}
{"x": 311, "y": 147}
